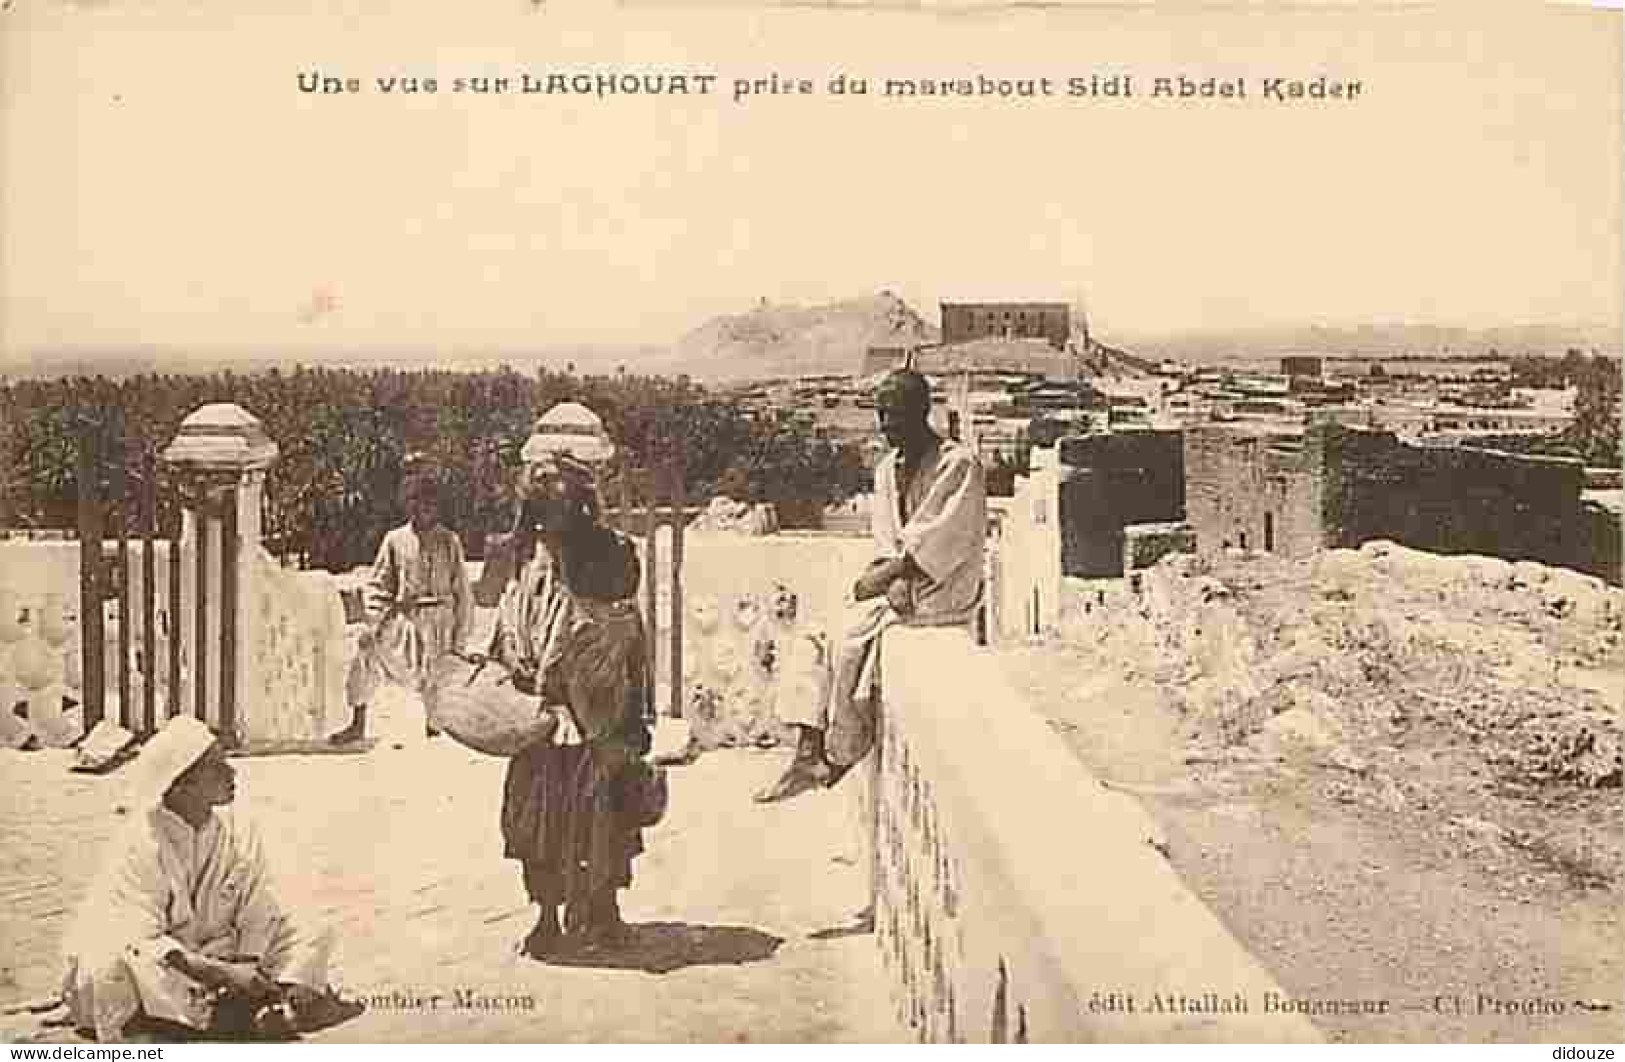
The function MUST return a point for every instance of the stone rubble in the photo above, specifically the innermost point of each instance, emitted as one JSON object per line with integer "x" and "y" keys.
{"x": 1323, "y": 656}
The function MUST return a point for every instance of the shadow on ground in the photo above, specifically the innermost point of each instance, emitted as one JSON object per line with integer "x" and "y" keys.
{"x": 852, "y": 929}
{"x": 662, "y": 947}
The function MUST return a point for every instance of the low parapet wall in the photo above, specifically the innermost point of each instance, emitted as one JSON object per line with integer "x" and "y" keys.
{"x": 733, "y": 640}
{"x": 1018, "y": 899}
{"x": 291, "y": 638}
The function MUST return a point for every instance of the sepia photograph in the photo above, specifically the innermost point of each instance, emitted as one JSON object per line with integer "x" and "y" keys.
{"x": 587, "y": 522}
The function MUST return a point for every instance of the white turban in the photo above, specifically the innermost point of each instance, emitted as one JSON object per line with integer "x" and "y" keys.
{"x": 181, "y": 743}
{"x": 569, "y": 428}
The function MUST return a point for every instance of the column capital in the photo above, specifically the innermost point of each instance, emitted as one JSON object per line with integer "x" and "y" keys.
{"x": 221, "y": 438}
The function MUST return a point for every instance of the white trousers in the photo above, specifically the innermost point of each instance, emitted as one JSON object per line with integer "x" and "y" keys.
{"x": 830, "y": 679}
{"x": 402, "y": 650}
{"x": 137, "y": 982}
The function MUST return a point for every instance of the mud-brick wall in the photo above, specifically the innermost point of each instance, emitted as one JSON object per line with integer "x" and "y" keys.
{"x": 1451, "y": 499}
{"x": 1252, "y": 491}
{"x": 1146, "y": 544}
{"x": 1111, "y": 480}
{"x": 1603, "y": 545}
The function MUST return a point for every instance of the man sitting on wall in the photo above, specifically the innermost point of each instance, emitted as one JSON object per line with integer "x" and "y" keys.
{"x": 929, "y": 522}
{"x": 184, "y": 935}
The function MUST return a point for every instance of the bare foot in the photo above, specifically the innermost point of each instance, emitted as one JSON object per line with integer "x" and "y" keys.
{"x": 545, "y": 940}
{"x": 798, "y": 778}
{"x": 349, "y": 735}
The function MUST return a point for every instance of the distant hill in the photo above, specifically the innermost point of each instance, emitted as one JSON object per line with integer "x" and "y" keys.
{"x": 1388, "y": 340}
{"x": 776, "y": 340}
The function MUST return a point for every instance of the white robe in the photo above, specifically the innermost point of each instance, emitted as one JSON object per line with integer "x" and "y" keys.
{"x": 940, "y": 521}
{"x": 419, "y": 606}
{"x": 944, "y": 529}
{"x": 208, "y": 891}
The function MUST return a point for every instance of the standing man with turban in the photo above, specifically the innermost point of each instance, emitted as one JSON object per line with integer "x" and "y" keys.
{"x": 570, "y": 630}
{"x": 419, "y": 605}
{"x": 185, "y": 930}
{"x": 929, "y": 523}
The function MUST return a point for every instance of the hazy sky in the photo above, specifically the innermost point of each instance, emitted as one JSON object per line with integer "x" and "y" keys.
{"x": 163, "y": 181}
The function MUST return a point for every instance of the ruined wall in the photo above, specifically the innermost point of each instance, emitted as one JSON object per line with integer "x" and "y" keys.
{"x": 1146, "y": 544}
{"x": 1449, "y": 499}
{"x": 1337, "y": 486}
{"x": 1111, "y": 480}
{"x": 1252, "y": 491}
{"x": 1602, "y": 542}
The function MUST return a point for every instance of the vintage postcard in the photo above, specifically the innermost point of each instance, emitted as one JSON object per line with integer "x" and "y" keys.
{"x": 547, "y": 521}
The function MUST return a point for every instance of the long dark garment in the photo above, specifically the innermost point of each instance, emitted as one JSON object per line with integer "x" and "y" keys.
{"x": 565, "y": 826}
{"x": 564, "y": 807}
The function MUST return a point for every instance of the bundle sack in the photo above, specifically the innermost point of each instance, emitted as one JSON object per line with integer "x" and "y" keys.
{"x": 476, "y": 702}
{"x": 648, "y": 793}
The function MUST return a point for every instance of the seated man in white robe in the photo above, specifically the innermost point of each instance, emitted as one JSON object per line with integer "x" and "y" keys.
{"x": 184, "y": 933}
{"x": 929, "y": 523}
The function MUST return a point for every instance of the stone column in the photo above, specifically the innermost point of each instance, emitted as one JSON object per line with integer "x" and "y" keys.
{"x": 222, "y": 453}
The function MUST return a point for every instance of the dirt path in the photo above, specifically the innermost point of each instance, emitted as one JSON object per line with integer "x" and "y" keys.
{"x": 1419, "y": 897}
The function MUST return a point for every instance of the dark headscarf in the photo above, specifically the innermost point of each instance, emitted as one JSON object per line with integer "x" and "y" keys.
{"x": 906, "y": 387}
{"x": 577, "y": 479}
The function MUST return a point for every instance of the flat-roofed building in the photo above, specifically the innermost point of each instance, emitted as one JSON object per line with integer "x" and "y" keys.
{"x": 965, "y": 321}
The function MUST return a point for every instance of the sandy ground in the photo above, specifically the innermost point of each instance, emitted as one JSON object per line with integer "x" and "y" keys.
{"x": 1343, "y": 897}
{"x": 399, "y": 847}
{"x": 1427, "y": 892}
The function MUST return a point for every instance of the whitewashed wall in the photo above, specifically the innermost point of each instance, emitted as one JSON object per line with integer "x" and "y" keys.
{"x": 1015, "y": 893}
{"x": 39, "y": 640}
{"x": 732, "y": 642}
{"x": 292, "y": 634}
{"x": 1025, "y": 572}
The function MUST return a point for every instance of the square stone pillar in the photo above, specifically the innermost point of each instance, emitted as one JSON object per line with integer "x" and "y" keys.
{"x": 221, "y": 453}
{"x": 1046, "y": 535}
{"x": 1028, "y": 553}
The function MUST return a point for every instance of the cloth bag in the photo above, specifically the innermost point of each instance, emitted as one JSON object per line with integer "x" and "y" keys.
{"x": 477, "y": 703}
{"x": 648, "y": 793}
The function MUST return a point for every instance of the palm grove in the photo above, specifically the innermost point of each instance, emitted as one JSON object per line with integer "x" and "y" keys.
{"x": 344, "y": 435}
